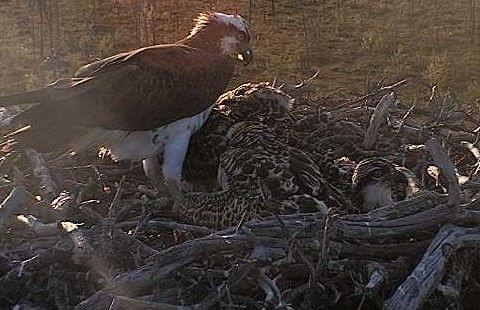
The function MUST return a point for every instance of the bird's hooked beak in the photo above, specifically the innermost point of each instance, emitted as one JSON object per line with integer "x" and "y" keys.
{"x": 245, "y": 55}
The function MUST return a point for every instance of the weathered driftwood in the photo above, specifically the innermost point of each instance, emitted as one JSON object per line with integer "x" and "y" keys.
{"x": 13, "y": 204}
{"x": 443, "y": 161}
{"x": 266, "y": 233}
{"x": 475, "y": 151}
{"x": 378, "y": 118}
{"x": 416, "y": 134}
{"x": 413, "y": 293}
{"x": 48, "y": 187}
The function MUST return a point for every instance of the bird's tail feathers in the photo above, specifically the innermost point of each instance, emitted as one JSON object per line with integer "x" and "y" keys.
{"x": 27, "y": 97}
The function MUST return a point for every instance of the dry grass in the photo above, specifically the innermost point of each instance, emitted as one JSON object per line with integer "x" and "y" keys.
{"x": 353, "y": 42}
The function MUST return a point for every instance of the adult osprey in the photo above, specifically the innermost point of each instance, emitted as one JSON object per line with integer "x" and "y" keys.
{"x": 137, "y": 104}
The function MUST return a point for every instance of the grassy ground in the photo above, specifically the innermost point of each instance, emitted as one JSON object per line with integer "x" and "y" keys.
{"x": 352, "y": 42}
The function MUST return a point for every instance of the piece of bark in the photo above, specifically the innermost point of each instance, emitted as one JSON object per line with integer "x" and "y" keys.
{"x": 35, "y": 227}
{"x": 378, "y": 277}
{"x": 14, "y": 204}
{"x": 378, "y": 118}
{"x": 48, "y": 187}
{"x": 416, "y": 289}
{"x": 443, "y": 161}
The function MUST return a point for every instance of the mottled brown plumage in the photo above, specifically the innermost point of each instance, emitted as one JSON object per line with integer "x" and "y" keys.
{"x": 377, "y": 182}
{"x": 260, "y": 175}
{"x": 248, "y": 102}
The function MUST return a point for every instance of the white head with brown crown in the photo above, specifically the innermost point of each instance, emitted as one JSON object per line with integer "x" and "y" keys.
{"x": 224, "y": 33}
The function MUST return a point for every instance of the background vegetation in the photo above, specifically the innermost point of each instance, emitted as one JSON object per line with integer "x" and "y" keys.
{"x": 353, "y": 42}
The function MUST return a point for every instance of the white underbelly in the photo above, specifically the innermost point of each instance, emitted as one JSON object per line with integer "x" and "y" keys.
{"x": 138, "y": 145}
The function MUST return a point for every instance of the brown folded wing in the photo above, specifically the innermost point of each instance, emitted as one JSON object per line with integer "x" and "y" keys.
{"x": 140, "y": 90}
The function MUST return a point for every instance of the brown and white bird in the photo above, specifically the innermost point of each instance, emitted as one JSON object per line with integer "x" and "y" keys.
{"x": 139, "y": 104}
{"x": 247, "y": 102}
{"x": 377, "y": 182}
{"x": 261, "y": 175}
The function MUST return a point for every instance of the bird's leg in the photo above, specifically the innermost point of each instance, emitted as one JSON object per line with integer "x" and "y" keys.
{"x": 151, "y": 167}
{"x": 173, "y": 158}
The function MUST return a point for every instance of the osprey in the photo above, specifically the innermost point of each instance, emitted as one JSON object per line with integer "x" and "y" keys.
{"x": 139, "y": 104}
{"x": 378, "y": 182}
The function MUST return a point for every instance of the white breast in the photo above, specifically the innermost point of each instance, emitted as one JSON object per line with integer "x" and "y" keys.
{"x": 376, "y": 195}
{"x": 139, "y": 145}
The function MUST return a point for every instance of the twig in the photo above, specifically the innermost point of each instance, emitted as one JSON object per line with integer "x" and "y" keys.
{"x": 242, "y": 221}
{"x": 116, "y": 200}
{"x": 270, "y": 288}
{"x": 111, "y": 301}
{"x": 476, "y": 153}
{"x": 381, "y": 92}
{"x": 404, "y": 118}
{"x": 13, "y": 283}
{"x": 294, "y": 89}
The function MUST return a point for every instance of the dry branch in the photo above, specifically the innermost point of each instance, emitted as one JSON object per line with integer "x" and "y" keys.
{"x": 378, "y": 118}
{"x": 15, "y": 202}
{"x": 381, "y": 92}
{"x": 48, "y": 187}
{"x": 443, "y": 161}
{"x": 413, "y": 293}
{"x": 157, "y": 224}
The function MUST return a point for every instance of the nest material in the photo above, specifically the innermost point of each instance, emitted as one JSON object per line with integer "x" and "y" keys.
{"x": 106, "y": 242}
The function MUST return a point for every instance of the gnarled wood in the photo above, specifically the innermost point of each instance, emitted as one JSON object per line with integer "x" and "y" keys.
{"x": 413, "y": 293}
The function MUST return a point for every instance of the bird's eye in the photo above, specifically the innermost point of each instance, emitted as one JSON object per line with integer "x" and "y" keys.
{"x": 377, "y": 174}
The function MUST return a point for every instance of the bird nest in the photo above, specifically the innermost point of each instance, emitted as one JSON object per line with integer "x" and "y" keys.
{"x": 88, "y": 234}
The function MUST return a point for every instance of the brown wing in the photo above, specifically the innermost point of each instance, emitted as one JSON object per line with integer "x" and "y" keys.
{"x": 90, "y": 69}
{"x": 140, "y": 90}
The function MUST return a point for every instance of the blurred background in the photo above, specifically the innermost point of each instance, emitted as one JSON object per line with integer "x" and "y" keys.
{"x": 354, "y": 43}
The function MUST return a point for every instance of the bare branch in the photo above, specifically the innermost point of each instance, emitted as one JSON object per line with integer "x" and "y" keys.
{"x": 378, "y": 118}
{"x": 413, "y": 293}
{"x": 443, "y": 161}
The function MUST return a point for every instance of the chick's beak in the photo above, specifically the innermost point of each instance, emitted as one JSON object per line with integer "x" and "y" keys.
{"x": 246, "y": 55}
